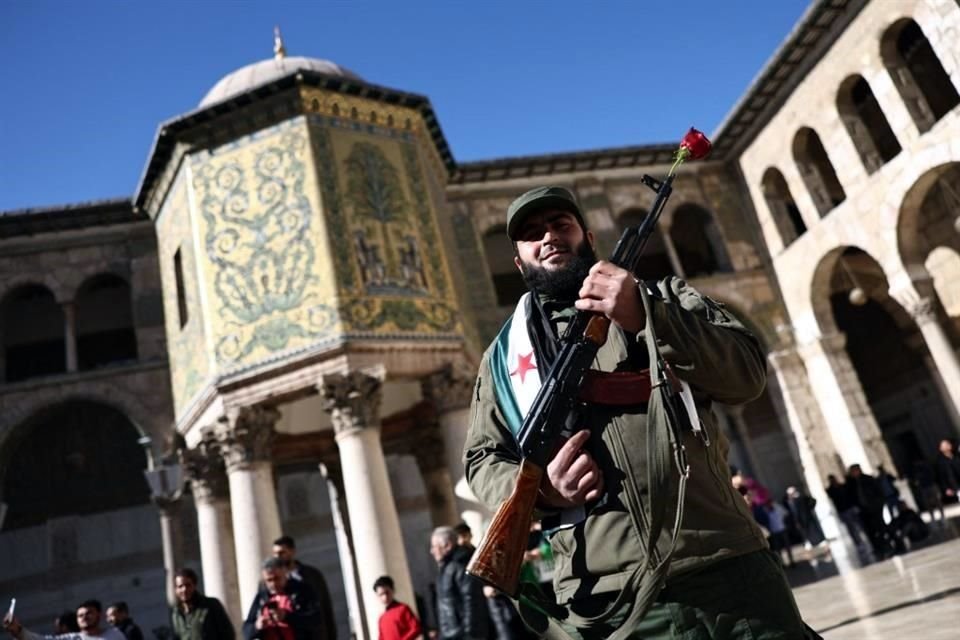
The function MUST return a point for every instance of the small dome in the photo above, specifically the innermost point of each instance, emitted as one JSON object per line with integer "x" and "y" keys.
{"x": 258, "y": 73}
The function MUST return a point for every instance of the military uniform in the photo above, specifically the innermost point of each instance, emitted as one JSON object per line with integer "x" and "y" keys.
{"x": 718, "y": 544}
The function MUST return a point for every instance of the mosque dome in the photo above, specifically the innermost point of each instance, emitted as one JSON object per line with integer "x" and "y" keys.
{"x": 259, "y": 73}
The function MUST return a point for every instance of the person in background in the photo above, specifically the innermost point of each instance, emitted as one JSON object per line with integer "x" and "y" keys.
{"x": 461, "y": 605}
{"x": 285, "y": 548}
{"x": 928, "y": 491}
{"x": 801, "y": 507}
{"x": 948, "y": 471}
{"x": 777, "y": 526}
{"x": 283, "y": 609}
{"x": 397, "y": 622}
{"x": 196, "y": 616}
{"x": 66, "y": 622}
{"x": 868, "y": 496}
{"x": 119, "y": 616}
{"x": 88, "y": 621}
{"x": 891, "y": 495}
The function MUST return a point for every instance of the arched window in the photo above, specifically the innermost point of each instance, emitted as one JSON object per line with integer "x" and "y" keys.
{"x": 105, "y": 331}
{"x": 655, "y": 262}
{"x": 76, "y": 458}
{"x": 917, "y": 73}
{"x": 784, "y": 210}
{"x": 697, "y": 239}
{"x": 866, "y": 124}
{"x": 817, "y": 171}
{"x": 507, "y": 281}
{"x": 33, "y": 333}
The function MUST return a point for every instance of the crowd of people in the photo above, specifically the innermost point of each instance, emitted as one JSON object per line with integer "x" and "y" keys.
{"x": 292, "y": 603}
{"x": 459, "y": 605}
{"x": 880, "y": 523}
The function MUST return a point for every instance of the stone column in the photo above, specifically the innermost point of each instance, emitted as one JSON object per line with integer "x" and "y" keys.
{"x": 244, "y": 437}
{"x": 818, "y": 457}
{"x": 922, "y": 308}
{"x": 205, "y": 469}
{"x": 450, "y": 390}
{"x": 171, "y": 536}
{"x": 353, "y": 402}
{"x": 70, "y": 334}
{"x": 836, "y": 386}
{"x": 333, "y": 474}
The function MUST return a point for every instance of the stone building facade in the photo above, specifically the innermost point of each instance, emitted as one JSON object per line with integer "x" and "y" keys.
{"x": 292, "y": 306}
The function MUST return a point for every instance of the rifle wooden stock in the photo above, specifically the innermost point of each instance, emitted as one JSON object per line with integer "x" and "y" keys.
{"x": 498, "y": 559}
{"x": 597, "y": 329}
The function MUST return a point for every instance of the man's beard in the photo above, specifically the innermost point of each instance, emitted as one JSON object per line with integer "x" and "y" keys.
{"x": 563, "y": 283}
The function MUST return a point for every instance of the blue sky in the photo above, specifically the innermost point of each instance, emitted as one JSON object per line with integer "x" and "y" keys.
{"x": 85, "y": 84}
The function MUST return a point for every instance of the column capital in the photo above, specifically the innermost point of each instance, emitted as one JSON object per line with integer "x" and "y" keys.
{"x": 916, "y": 295}
{"x": 450, "y": 388}
{"x": 923, "y": 310}
{"x": 353, "y": 399}
{"x": 244, "y": 436}
{"x": 204, "y": 467}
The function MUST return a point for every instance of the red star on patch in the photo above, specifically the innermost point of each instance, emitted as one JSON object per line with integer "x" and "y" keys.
{"x": 524, "y": 364}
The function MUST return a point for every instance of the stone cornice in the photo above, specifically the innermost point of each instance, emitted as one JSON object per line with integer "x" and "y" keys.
{"x": 802, "y": 49}
{"x": 83, "y": 215}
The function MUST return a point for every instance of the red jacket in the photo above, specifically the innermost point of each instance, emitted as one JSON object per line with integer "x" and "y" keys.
{"x": 399, "y": 623}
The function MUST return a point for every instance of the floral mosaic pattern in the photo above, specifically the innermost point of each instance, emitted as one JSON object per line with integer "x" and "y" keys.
{"x": 258, "y": 224}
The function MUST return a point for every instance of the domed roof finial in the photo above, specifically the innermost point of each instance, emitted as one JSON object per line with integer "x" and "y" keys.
{"x": 279, "y": 51}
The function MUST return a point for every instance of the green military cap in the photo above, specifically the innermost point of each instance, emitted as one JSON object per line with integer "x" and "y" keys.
{"x": 540, "y": 199}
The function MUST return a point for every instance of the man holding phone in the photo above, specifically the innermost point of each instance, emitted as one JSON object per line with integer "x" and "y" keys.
{"x": 88, "y": 619}
{"x": 283, "y": 609}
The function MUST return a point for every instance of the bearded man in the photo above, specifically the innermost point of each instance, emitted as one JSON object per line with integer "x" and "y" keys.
{"x": 717, "y": 579}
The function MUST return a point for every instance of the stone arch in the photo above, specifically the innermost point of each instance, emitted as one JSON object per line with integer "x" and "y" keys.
{"x": 917, "y": 73}
{"x": 929, "y": 215}
{"x": 104, "y": 322}
{"x": 866, "y": 123}
{"x": 817, "y": 171}
{"x": 75, "y": 457}
{"x": 507, "y": 282}
{"x": 33, "y": 333}
{"x": 20, "y": 407}
{"x": 783, "y": 209}
{"x": 698, "y": 241}
{"x": 886, "y": 352}
{"x": 656, "y": 262}
{"x": 60, "y": 293}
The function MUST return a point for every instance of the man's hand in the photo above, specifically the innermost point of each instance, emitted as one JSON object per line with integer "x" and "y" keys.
{"x": 573, "y": 478}
{"x": 612, "y": 291}
{"x": 12, "y": 625}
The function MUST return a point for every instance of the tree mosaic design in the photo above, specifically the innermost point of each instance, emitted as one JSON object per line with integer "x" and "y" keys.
{"x": 364, "y": 309}
{"x": 386, "y": 244}
{"x": 258, "y": 222}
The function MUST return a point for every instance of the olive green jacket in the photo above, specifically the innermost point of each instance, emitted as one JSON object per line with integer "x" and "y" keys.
{"x": 712, "y": 351}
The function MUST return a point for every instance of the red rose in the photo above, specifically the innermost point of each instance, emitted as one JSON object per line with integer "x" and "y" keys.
{"x": 696, "y": 144}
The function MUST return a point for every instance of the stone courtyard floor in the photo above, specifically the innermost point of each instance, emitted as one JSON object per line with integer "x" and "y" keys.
{"x": 915, "y": 595}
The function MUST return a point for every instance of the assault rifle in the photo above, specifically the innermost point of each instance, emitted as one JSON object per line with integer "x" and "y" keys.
{"x": 553, "y": 414}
